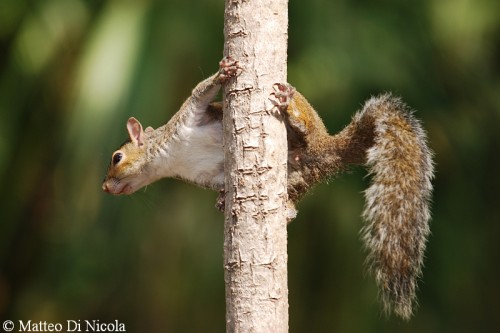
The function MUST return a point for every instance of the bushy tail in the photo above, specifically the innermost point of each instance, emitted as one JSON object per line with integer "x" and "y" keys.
{"x": 397, "y": 201}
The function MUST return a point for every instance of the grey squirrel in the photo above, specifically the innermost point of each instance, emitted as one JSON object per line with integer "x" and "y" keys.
{"x": 384, "y": 136}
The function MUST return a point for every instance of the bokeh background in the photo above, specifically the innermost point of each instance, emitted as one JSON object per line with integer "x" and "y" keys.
{"x": 73, "y": 71}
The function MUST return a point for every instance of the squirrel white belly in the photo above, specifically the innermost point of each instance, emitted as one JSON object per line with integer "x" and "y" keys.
{"x": 188, "y": 147}
{"x": 384, "y": 136}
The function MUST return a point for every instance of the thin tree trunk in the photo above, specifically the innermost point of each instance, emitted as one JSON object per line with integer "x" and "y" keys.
{"x": 255, "y": 254}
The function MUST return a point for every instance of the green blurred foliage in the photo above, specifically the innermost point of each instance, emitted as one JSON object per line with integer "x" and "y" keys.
{"x": 73, "y": 71}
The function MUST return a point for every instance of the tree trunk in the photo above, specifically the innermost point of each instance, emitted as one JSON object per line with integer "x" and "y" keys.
{"x": 255, "y": 254}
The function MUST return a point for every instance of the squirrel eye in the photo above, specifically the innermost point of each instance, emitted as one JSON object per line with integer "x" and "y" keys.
{"x": 117, "y": 157}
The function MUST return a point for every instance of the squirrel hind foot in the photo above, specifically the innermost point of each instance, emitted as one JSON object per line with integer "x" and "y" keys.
{"x": 282, "y": 95}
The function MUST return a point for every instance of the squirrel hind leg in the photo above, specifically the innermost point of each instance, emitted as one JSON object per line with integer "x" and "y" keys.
{"x": 300, "y": 116}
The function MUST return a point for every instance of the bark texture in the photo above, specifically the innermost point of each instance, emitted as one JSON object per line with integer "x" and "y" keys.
{"x": 255, "y": 253}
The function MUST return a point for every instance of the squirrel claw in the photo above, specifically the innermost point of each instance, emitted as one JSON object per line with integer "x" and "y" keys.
{"x": 221, "y": 201}
{"x": 229, "y": 68}
{"x": 283, "y": 94}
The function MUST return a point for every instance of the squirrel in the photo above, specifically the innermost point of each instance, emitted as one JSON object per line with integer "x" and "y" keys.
{"x": 384, "y": 136}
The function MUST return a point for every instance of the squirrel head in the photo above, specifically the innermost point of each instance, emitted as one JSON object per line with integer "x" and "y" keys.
{"x": 127, "y": 171}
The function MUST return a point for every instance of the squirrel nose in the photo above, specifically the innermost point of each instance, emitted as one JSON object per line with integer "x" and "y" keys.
{"x": 105, "y": 187}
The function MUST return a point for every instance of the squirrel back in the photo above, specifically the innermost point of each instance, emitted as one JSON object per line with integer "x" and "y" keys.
{"x": 386, "y": 138}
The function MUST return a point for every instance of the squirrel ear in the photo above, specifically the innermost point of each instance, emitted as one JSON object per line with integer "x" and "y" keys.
{"x": 135, "y": 131}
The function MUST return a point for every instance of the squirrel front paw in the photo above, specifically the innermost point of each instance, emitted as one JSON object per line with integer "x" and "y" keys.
{"x": 228, "y": 68}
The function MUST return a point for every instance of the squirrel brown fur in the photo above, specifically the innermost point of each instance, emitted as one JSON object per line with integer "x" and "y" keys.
{"x": 384, "y": 136}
